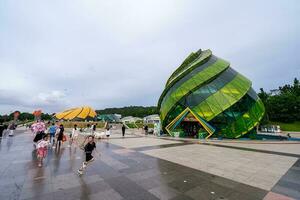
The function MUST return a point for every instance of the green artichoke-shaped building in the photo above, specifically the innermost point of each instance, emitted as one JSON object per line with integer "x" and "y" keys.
{"x": 205, "y": 98}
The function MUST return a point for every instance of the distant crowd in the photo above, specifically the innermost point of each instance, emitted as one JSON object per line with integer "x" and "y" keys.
{"x": 7, "y": 129}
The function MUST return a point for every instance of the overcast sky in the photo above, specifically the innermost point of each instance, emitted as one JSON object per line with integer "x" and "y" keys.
{"x": 58, "y": 54}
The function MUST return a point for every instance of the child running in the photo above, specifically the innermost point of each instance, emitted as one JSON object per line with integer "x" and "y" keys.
{"x": 42, "y": 148}
{"x": 88, "y": 148}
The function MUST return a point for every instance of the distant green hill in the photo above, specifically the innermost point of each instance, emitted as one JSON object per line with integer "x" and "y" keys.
{"x": 135, "y": 111}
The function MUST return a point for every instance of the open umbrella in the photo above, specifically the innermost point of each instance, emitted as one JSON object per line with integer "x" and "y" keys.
{"x": 37, "y": 114}
{"x": 77, "y": 113}
{"x": 38, "y": 127}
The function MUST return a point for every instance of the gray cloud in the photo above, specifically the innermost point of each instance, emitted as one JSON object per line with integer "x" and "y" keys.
{"x": 60, "y": 54}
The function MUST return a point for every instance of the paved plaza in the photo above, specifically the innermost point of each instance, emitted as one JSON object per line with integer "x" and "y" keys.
{"x": 141, "y": 168}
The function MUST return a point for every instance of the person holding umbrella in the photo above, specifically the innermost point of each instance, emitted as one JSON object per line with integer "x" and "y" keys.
{"x": 42, "y": 149}
{"x": 38, "y": 130}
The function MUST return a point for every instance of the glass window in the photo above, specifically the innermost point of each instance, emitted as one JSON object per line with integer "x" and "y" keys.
{"x": 192, "y": 61}
{"x": 239, "y": 118}
{"x": 193, "y": 83}
{"x": 252, "y": 94}
{"x": 200, "y": 94}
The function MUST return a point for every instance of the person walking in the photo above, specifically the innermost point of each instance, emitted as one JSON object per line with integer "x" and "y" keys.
{"x": 75, "y": 133}
{"x": 60, "y": 135}
{"x": 146, "y": 130}
{"x": 1, "y": 129}
{"x": 89, "y": 129}
{"x": 52, "y": 131}
{"x": 12, "y": 128}
{"x": 5, "y": 129}
{"x": 88, "y": 149}
{"x": 107, "y": 133}
{"x": 94, "y": 128}
{"x": 48, "y": 124}
{"x": 123, "y": 130}
{"x": 42, "y": 149}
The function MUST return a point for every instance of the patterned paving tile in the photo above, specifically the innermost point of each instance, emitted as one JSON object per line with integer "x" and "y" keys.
{"x": 275, "y": 196}
{"x": 164, "y": 192}
{"x": 106, "y": 195}
{"x": 120, "y": 173}
{"x": 289, "y": 184}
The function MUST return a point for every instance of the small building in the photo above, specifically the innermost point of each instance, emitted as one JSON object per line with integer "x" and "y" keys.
{"x": 151, "y": 119}
{"x": 111, "y": 118}
{"x": 130, "y": 119}
{"x": 270, "y": 129}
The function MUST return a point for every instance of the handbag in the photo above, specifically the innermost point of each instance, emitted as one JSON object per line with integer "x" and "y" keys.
{"x": 64, "y": 138}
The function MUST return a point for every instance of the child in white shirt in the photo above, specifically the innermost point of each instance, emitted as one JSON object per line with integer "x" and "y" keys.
{"x": 75, "y": 133}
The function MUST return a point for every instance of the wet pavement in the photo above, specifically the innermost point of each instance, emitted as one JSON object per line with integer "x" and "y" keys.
{"x": 120, "y": 173}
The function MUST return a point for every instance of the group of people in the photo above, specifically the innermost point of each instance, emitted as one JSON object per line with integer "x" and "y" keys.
{"x": 100, "y": 135}
{"x": 51, "y": 135}
{"x": 46, "y": 136}
{"x": 54, "y": 136}
{"x": 91, "y": 128}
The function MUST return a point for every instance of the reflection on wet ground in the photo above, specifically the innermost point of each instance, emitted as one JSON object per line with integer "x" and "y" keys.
{"x": 119, "y": 173}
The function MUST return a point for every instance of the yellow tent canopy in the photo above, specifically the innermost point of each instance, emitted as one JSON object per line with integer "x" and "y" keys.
{"x": 73, "y": 113}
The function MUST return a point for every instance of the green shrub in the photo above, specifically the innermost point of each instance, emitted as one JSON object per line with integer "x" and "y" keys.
{"x": 70, "y": 124}
{"x": 131, "y": 125}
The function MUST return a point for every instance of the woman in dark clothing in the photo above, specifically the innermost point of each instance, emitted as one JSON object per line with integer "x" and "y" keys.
{"x": 1, "y": 129}
{"x": 146, "y": 129}
{"x": 94, "y": 127}
{"x": 60, "y": 135}
{"x": 39, "y": 136}
{"x": 123, "y": 130}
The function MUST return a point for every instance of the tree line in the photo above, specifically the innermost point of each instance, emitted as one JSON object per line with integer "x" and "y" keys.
{"x": 24, "y": 116}
{"x": 135, "y": 111}
{"x": 282, "y": 104}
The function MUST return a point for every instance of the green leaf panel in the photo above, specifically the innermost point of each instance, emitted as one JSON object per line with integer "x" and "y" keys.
{"x": 225, "y": 97}
{"x": 191, "y": 84}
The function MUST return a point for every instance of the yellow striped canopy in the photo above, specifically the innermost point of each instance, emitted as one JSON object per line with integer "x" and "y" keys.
{"x": 73, "y": 113}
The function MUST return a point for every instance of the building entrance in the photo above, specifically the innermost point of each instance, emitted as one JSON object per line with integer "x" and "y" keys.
{"x": 191, "y": 126}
